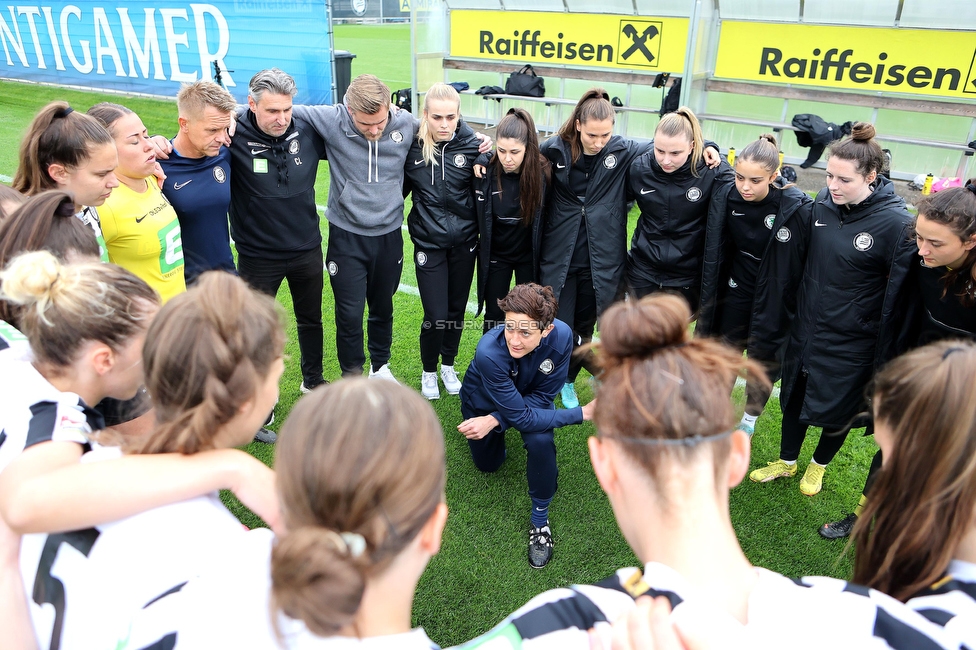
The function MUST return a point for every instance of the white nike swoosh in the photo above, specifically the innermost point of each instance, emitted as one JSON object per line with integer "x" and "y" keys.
{"x": 400, "y": 261}
{"x": 472, "y": 248}
{"x": 418, "y": 162}
{"x": 738, "y": 214}
{"x": 817, "y": 223}
{"x": 647, "y": 191}
{"x": 558, "y": 166}
{"x": 498, "y": 192}
{"x": 179, "y": 186}
{"x": 255, "y": 152}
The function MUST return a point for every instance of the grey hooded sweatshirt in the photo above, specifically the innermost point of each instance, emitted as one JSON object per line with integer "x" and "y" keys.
{"x": 366, "y": 178}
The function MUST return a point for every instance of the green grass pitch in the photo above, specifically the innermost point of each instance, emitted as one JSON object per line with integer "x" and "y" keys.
{"x": 481, "y": 573}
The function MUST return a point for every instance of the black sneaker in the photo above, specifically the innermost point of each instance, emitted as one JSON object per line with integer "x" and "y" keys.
{"x": 540, "y": 546}
{"x": 838, "y": 529}
{"x": 266, "y": 436}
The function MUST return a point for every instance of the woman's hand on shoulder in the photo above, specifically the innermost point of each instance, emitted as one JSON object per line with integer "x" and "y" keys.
{"x": 712, "y": 157}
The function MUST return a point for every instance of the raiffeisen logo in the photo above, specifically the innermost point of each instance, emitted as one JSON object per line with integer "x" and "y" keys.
{"x": 531, "y": 43}
{"x": 836, "y": 65}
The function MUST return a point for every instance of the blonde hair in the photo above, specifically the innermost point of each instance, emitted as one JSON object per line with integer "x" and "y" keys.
{"x": 684, "y": 123}
{"x": 360, "y": 472}
{"x": 193, "y": 98}
{"x": 65, "y": 305}
{"x": 367, "y": 94}
{"x": 437, "y": 92}
{"x": 206, "y": 353}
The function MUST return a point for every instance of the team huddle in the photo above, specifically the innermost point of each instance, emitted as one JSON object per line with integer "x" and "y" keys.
{"x": 136, "y": 355}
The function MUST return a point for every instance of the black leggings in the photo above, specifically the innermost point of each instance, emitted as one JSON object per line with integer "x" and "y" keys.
{"x": 577, "y": 308}
{"x": 794, "y": 433}
{"x": 733, "y": 326}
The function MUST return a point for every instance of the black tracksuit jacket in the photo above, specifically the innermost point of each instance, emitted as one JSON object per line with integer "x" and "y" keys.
{"x": 779, "y": 272}
{"x": 443, "y": 214}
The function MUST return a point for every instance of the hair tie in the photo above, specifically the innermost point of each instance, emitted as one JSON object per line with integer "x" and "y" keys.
{"x": 971, "y": 187}
{"x": 955, "y": 348}
{"x": 65, "y": 112}
{"x": 353, "y": 544}
{"x": 690, "y": 441}
{"x": 65, "y": 209}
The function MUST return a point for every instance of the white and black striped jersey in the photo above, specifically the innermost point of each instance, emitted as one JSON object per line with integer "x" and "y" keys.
{"x": 33, "y": 411}
{"x": 951, "y": 603}
{"x": 84, "y": 587}
{"x": 798, "y": 613}
{"x": 228, "y": 607}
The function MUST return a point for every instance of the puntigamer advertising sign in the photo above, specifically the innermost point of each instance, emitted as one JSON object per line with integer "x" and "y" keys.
{"x": 914, "y": 61}
{"x": 592, "y": 40}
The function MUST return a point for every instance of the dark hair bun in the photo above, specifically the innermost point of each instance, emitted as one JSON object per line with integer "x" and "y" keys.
{"x": 769, "y": 137}
{"x": 863, "y": 131}
{"x": 639, "y": 328}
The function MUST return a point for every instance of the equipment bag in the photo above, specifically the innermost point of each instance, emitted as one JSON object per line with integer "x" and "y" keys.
{"x": 525, "y": 82}
{"x": 402, "y": 99}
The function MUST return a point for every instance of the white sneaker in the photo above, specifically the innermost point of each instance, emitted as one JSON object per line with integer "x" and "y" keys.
{"x": 428, "y": 385}
{"x": 450, "y": 379}
{"x": 382, "y": 373}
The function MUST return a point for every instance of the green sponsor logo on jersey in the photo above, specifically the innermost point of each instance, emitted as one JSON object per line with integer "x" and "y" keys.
{"x": 10, "y": 333}
{"x": 170, "y": 247}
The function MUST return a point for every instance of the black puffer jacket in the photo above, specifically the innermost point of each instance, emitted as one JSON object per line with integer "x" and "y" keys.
{"x": 443, "y": 213}
{"x": 851, "y": 305}
{"x": 779, "y": 272}
{"x": 605, "y": 211}
{"x": 668, "y": 245}
{"x": 482, "y": 195}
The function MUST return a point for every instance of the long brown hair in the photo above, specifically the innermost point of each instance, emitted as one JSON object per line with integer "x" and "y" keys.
{"x": 57, "y": 135}
{"x": 593, "y": 105}
{"x": 955, "y": 208}
{"x": 206, "y": 353}
{"x": 357, "y": 460}
{"x": 65, "y": 305}
{"x": 662, "y": 386}
{"x": 923, "y": 500}
{"x": 45, "y": 221}
{"x": 535, "y": 172}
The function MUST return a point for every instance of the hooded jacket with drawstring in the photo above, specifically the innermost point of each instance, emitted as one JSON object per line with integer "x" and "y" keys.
{"x": 366, "y": 177}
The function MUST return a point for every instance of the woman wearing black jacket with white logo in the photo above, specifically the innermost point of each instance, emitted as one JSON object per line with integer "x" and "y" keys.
{"x": 943, "y": 283}
{"x": 673, "y": 187}
{"x": 443, "y": 225}
{"x": 584, "y": 237}
{"x": 510, "y": 200}
{"x": 755, "y": 245}
{"x": 851, "y": 306}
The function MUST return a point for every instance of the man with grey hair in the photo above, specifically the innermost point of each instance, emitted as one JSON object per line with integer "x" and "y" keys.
{"x": 274, "y": 160}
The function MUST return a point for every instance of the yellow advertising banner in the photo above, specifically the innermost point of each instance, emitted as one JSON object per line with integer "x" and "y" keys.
{"x": 592, "y": 40}
{"x": 914, "y": 61}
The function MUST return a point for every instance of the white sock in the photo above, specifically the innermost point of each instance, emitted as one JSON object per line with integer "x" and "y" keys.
{"x": 813, "y": 462}
{"x": 749, "y": 420}
{"x": 789, "y": 462}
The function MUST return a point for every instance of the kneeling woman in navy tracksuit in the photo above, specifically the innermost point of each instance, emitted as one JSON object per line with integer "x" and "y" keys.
{"x": 512, "y": 382}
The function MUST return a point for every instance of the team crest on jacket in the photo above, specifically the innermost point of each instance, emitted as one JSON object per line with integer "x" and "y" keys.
{"x": 610, "y": 161}
{"x": 546, "y": 367}
{"x": 460, "y": 160}
{"x": 293, "y": 147}
{"x": 693, "y": 194}
{"x": 732, "y": 283}
{"x": 421, "y": 258}
{"x": 333, "y": 268}
{"x": 863, "y": 241}
{"x": 397, "y": 137}
{"x": 219, "y": 174}
{"x": 783, "y": 235}
{"x": 768, "y": 221}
